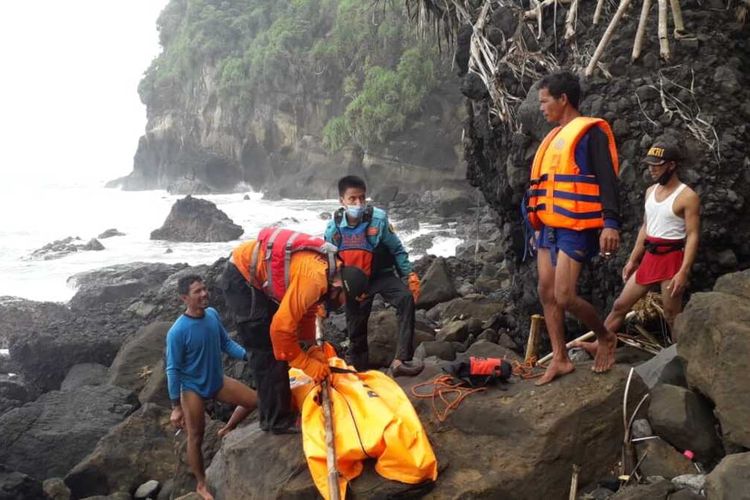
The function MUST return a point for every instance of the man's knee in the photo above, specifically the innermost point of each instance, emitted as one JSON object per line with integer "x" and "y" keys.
{"x": 620, "y": 307}
{"x": 564, "y": 297}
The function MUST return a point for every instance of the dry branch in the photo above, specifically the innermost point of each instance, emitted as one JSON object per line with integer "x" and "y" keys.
{"x": 607, "y": 35}
{"x": 641, "y": 30}
{"x": 570, "y": 20}
{"x": 663, "y": 39}
{"x": 598, "y": 11}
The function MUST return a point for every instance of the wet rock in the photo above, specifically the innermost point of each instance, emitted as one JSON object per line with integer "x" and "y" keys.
{"x": 437, "y": 285}
{"x": 194, "y": 219}
{"x": 731, "y": 478}
{"x": 56, "y": 489}
{"x": 484, "y": 349}
{"x": 382, "y": 337}
{"x": 437, "y": 348}
{"x": 65, "y": 424}
{"x": 714, "y": 341}
{"x": 662, "y": 459}
{"x": 685, "y": 495}
{"x": 60, "y": 248}
{"x": 693, "y": 482}
{"x": 18, "y": 486}
{"x": 139, "y": 355}
{"x": 141, "y": 448}
{"x": 84, "y": 374}
{"x": 658, "y": 490}
{"x": 119, "y": 283}
{"x": 685, "y": 420}
{"x": 149, "y": 489}
{"x": 473, "y": 87}
{"x": 651, "y": 371}
{"x": 109, "y": 233}
{"x": 455, "y": 331}
{"x": 641, "y": 428}
{"x": 489, "y": 335}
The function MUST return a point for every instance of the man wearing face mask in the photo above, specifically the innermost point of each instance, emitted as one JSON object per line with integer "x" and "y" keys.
{"x": 366, "y": 240}
{"x": 667, "y": 241}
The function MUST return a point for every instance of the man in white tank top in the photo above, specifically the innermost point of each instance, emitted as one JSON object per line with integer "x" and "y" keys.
{"x": 667, "y": 241}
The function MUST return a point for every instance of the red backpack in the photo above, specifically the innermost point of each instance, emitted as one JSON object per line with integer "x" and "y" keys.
{"x": 280, "y": 244}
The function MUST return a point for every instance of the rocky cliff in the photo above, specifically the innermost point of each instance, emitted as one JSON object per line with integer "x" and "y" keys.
{"x": 289, "y": 96}
{"x": 700, "y": 96}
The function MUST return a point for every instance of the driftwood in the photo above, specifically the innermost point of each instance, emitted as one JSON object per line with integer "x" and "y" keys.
{"x": 574, "y": 482}
{"x": 532, "y": 345}
{"x": 663, "y": 40}
{"x": 598, "y": 11}
{"x": 607, "y": 36}
{"x": 570, "y": 20}
{"x": 333, "y": 473}
{"x": 641, "y": 30}
{"x": 586, "y": 336}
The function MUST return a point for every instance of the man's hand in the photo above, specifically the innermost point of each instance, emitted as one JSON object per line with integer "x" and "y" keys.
{"x": 177, "y": 417}
{"x": 628, "y": 270}
{"x": 311, "y": 366}
{"x": 678, "y": 284}
{"x": 609, "y": 241}
{"x": 414, "y": 286}
{"x": 316, "y": 353}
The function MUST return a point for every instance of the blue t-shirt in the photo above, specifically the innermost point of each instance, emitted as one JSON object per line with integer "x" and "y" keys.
{"x": 194, "y": 347}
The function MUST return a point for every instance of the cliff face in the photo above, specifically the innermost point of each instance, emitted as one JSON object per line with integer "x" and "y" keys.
{"x": 700, "y": 96}
{"x": 289, "y": 96}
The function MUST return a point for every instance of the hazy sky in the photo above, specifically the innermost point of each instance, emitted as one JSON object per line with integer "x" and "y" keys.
{"x": 68, "y": 87}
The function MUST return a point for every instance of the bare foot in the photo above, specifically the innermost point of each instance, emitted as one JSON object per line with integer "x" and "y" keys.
{"x": 589, "y": 347}
{"x": 554, "y": 370}
{"x": 202, "y": 491}
{"x": 224, "y": 431}
{"x": 605, "y": 353}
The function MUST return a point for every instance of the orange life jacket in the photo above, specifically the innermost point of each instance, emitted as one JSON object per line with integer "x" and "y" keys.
{"x": 559, "y": 195}
{"x": 278, "y": 246}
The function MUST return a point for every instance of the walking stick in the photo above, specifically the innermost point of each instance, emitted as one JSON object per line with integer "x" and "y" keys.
{"x": 333, "y": 474}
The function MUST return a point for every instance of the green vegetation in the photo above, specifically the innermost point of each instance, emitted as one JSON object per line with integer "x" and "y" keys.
{"x": 361, "y": 57}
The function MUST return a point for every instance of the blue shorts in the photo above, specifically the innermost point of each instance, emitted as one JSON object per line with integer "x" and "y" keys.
{"x": 578, "y": 245}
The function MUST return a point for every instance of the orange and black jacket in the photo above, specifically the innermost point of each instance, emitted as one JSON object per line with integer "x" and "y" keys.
{"x": 573, "y": 182}
{"x": 308, "y": 285}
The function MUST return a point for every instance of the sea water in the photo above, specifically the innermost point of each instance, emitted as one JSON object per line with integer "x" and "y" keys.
{"x": 33, "y": 216}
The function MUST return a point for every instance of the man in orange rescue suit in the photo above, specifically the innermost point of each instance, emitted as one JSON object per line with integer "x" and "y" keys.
{"x": 667, "y": 242}
{"x": 366, "y": 240}
{"x": 573, "y": 205}
{"x": 274, "y": 286}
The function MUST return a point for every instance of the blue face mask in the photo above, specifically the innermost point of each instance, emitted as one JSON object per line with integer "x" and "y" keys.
{"x": 355, "y": 211}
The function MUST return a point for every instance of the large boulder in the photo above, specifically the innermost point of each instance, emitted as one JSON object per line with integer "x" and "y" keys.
{"x": 714, "y": 340}
{"x": 472, "y": 306}
{"x": 18, "y": 486}
{"x": 382, "y": 337}
{"x": 49, "y": 436}
{"x": 496, "y": 444}
{"x": 84, "y": 374}
{"x": 119, "y": 284}
{"x": 194, "y": 219}
{"x": 661, "y": 459}
{"x": 660, "y": 489}
{"x": 155, "y": 390}
{"x": 21, "y": 317}
{"x": 436, "y": 285}
{"x": 137, "y": 358}
{"x": 141, "y": 448}
{"x": 685, "y": 420}
{"x": 60, "y": 248}
{"x": 730, "y": 480}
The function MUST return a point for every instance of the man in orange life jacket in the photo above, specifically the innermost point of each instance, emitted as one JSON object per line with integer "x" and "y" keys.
{"x": 274, "y": 286}
{"x": 667, "y": 242}
{"x": 573, "y": 196}
{"x": 366, "y": 240}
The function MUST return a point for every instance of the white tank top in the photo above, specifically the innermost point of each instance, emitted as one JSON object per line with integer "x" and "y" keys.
{"x": 661, "y": 221}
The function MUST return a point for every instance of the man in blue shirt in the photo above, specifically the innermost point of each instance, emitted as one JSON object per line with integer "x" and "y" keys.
{"x": 366, "y": 240}
{"x": 194, "y": 372}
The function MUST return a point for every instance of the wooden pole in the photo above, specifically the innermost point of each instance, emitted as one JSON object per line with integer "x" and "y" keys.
{"x": 638, "y": 44}
{"x": 663, "y": 39}
{"x": 532, "y": 345}
{"x": 333, "y": 473}
{"x": 607, "y": 35}
{"x": 570, "y": 20}
{"x": 574, "y": 482}
{"x": 679, "y": 24}
{"x": 598, "y": 11}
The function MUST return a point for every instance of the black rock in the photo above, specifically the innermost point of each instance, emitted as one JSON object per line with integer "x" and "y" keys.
{"x": 194, "y": 219}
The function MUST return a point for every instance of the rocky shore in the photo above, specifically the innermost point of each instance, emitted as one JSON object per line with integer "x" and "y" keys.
{"x": 87, "y": 414}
